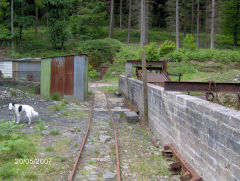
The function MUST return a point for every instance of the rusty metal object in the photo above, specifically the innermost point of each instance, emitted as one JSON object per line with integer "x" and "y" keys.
{"x": 83, "y": 143}
{"x": 103, "y": 70}
{"x": 116, "y": 142}
{"x": 62, "y": 75}
{"x": 179, "y": 163}
{"x": 201, "y": 87}
{"x": 151, "y": 63}
{"x": 69, "y": 75}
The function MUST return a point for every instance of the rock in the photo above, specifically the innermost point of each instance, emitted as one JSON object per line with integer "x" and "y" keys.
{"x": 104, "y": 159}
{"x": 109, "y": 175}
{"x": 45, "y": 132}
{"x": 117, "y": 93}
{"x": 131, "y": 117}
{"x": 104, "y": 138}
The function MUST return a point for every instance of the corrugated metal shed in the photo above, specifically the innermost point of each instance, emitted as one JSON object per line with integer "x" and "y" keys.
{"x": 66, "y": 75}
{"x": 25, "y": 68}
{"x": 6, "y": 68}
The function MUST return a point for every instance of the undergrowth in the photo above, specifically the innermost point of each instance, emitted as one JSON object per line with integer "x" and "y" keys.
{"x": 13, "y": 145}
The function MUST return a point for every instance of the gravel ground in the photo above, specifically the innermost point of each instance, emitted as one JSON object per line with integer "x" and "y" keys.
{"x": 139, "y": 159}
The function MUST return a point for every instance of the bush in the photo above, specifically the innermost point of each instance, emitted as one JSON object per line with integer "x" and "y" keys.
{"x": 176, "y": 56}
{"x": 12, "y": 142}
{"x": 56, "y": 96}
{"x": 127, "y": 52}
{"x": 166, "y": 47}
{"x": 92, "y": 72}
{"x": 225, "y": 56}
{"x": 188, "y": 42}
{"x": 101, "y": 51}
{"x": 151, "y": 51}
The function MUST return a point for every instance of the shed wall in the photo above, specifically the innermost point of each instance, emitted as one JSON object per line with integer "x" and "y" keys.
{"x": 80, "y": 77}
{"x": 45, "y": 77}
{"x": 6, "y": 68}
{"x": 29, "y": 68}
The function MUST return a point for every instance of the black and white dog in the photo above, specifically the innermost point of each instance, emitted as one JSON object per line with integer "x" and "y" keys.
{"x": 19, "y": 109}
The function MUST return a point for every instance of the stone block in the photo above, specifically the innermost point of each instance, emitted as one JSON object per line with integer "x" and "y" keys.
{"x": 131, "y": 117}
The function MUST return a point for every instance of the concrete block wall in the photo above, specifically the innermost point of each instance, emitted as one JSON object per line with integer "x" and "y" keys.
{"x": 207, "y": 135}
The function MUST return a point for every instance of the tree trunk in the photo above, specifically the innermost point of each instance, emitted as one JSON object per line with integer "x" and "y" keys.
{"x": 143, "y": 23}
{"x": 212, "y": 24}
{"x": 12, "y": 28}
{"x": 198, "y": 21}
{"x": 235, "y": 34}
{"x": 146, "y": 22}
{"x": 36, "y": 21}
{"x": 192, "y": 26}
{"x": 62, "y": 45}
{"x": 129, "y": 19}
{"x": 177, "y": 23}
{"x": 111, "y": 20}
{"x": 120, "y": 14}
{"x": 20, "y": 38}
{"x": 185, "y": 18}
{"x": 206, "y": 25}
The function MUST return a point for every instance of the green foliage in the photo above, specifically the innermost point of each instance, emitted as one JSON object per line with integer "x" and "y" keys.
{"x": 5, "y": 34}
{"x": 58, "y": 32}
{"x": 87, "y": 24}
{"x": 225, "y": 56}
{"x": 166, "y": 47}
{"x": 151, "y": 51}
{"x": 101, "y": 51}
{"x": 188, "y": 42}
{"x": 13, "y": 92}
{"x": 110, "y": 89}
{"x": 92, "y": 72}
{"x": 38, "y": 128}
{"x": 127, "y": 52}
{"x": 59, "y": 107}
{"x": 58, "y": 15}
{"x": 177, "y": 55}
{"x": 55, "y": 132}
{"x": 13, "y": 144}
{"x": 56, "y": 96}
{"x": 230, "y": 18}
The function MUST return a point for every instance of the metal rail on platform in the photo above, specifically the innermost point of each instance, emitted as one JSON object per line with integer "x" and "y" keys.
{"x": 202, "y": 87}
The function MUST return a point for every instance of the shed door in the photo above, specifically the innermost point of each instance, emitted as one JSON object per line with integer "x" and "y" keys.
{"x": 62, "y": 75}
{"x": 68, "y": 75}
{"x": 57, "y": 81}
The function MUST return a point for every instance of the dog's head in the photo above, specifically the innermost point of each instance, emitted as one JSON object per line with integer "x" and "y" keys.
{"x": 11, "y": 106}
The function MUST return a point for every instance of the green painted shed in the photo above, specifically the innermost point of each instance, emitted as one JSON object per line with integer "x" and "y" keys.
{"x": 65, "y": 75}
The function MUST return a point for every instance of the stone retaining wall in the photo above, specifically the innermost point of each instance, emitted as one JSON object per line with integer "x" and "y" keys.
{"x": 207, "y": 135}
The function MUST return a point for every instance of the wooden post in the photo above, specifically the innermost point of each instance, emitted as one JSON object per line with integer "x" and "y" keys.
{"x": 145, "y": 89}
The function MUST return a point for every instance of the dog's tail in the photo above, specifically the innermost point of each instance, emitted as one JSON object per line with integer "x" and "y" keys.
{"x": 34, "y": 113}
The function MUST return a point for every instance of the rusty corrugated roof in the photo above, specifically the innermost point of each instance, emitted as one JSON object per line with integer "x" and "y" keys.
{"x": 156, "y": 78}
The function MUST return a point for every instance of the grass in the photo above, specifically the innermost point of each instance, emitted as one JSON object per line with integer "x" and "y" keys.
{"x": 56, "y": 97}
{"x": 110, "y": 89}
{"x": 59, "y": 107}
{"x": 49, "y": 149}
{"x": 55, "y": 132}
{"x": 15, "y": 145}
{"x": 75, "y": 114}
{"x": 22, "y": 88}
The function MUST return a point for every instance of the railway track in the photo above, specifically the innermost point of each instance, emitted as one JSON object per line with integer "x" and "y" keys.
{"x": 84, "y": 158}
